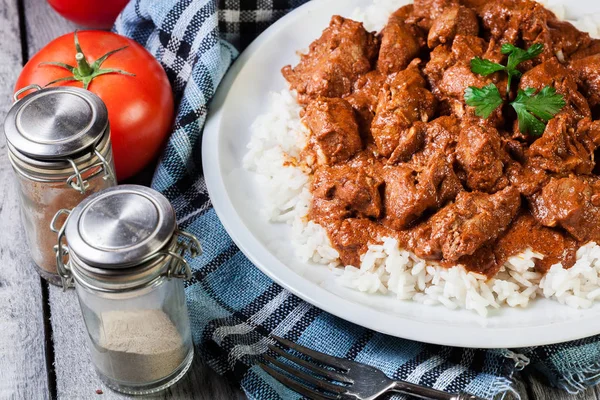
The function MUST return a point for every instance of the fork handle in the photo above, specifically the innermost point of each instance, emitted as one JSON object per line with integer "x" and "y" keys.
{"x": 426, "y": 393}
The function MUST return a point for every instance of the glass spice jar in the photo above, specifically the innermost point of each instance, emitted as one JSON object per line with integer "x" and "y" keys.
{"x": 126, "y": 257}
{"x": 59, "y": 146}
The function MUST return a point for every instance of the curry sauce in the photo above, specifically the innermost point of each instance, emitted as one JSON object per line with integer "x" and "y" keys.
{"x": 395, "y": 150}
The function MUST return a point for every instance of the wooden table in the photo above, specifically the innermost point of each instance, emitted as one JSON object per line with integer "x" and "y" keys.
{"x": 43, "y": 352}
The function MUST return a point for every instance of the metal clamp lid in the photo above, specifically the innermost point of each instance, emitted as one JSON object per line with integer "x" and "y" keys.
{"x": 120, "y": 226}
{"x": 123, "y": 231}
{"x": 176, "y": 265}
{"x": 55, "y": 123}
{"x": 54, "y": 127}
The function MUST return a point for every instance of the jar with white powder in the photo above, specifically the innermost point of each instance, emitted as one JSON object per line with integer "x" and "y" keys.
{"x": 128, "y": 263}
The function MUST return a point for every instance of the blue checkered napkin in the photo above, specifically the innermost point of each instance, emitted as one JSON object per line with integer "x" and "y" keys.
{"x": 233, "y": 306}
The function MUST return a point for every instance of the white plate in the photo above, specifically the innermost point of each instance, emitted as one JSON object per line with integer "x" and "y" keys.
{"x": 241, "y": 97}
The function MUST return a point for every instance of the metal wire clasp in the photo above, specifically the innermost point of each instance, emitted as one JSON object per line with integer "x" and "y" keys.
{"x": 23, "y": 90}
{"x": 60, "y": 250}
{"x": 76, "y": 180}
{"x": 179, "y": 267}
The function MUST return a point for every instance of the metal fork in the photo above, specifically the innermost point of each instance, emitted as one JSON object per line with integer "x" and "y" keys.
{"x": 353, "y": 380}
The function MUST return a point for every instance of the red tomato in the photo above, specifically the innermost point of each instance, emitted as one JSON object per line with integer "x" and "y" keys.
{"x": 97, "y": 14}
{"x": 140, "y": 107}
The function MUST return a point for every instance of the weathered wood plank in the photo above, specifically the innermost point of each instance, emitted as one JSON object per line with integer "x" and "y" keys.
{"x": 22, "y": 355}
{"x": 43, "y": 24}
{"x": 75, "y": 375}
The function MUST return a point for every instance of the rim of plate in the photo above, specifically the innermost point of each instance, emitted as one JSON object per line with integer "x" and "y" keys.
{"x": 357, "y": 313}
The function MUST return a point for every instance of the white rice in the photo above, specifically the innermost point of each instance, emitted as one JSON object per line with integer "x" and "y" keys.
{"x": 279, "y": 135}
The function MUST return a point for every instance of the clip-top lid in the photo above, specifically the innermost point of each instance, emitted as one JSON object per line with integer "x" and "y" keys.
{"x": 56, "y": 123}
{"x": 120, "y": 227}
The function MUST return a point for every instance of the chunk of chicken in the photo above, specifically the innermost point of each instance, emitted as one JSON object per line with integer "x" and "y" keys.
{"x": 334, "y": 132}
{"x": 560, "y": 151}
{"x": 525, "y": 22}
{"x": 457, "y": 79}
{"x": 344, "y": 51}
{"x": 563, "y": 149}
{"x": 401, "y": 103}
{"x": 481, "y": 155}
{"x": 400, "y": 44}
{"x": 572, "y": 203}
{"x": 441, "y": 136}
{"x": 426, "y": 181}
{"x": 461, "y": 228}
{"x": 353, "y": 237}
{"x": 588, "y": 50}
{"x": 428, "y": 10}
{"x": 463, "y": 50}
{"x": 455, "y": 20}
{"x": 364, "y": 100}
{"x": 409, "y": 192}
{"x": 354, "y": 189}
{"x": 449, "y": 75}
{"x": 527, "y": 177}
{"x": 552, "y": 73}
{"x": 588, "y": 71}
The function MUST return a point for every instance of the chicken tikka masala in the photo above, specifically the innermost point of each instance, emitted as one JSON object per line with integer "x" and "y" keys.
{"x": 465, "y": 129}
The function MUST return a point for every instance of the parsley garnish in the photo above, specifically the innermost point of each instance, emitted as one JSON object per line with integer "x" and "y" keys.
{"x": 535, "y": 110}
{"x": 485, "y": 100}
{"x": 515, "y": 57}
{"x": 485, "y": 67}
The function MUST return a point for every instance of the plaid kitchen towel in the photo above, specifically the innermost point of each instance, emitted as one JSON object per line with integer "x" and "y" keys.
{"x": 233, "y": 306}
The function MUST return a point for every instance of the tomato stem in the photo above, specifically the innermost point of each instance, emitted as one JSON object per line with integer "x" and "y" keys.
{"x": 84, "y": 72}
{"x": 82, "y": 65}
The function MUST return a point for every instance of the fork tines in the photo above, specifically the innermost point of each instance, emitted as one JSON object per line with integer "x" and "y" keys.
{"x": 326, "y": 388}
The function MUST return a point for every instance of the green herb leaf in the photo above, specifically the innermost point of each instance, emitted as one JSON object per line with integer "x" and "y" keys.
{"x": 528, "y": 124}
{"x": 517, "y": 55}
{"x": 485, "y": 100}
{"x": 508, "y": 48}
{"x": 485, "y": 67}
{"x": 535, "y": 110}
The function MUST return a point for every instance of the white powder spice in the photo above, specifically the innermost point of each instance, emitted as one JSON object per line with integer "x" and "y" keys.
{"x": 139, "y": 346}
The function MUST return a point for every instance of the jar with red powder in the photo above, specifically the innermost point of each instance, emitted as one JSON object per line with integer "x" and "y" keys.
{"x": 59, "y": 146}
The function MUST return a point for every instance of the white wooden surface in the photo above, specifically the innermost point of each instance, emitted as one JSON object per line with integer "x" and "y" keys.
{"x": 22, "y": 348}
{"x": 24, "y": 373}
{"x": 73, "y": 372}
